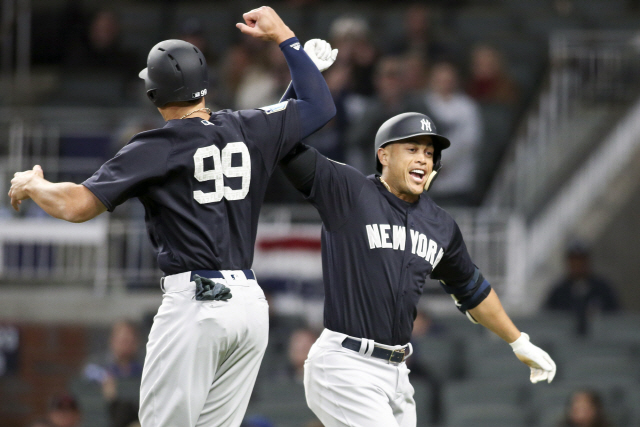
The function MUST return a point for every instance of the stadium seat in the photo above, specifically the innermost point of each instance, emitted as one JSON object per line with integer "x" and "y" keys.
{"x": 617, "y": 328}
{"x": 441, "y": 356}
{"x": 485, "y": 415}
{"x": 423, "y": 396}
{"x": 281, "y": 401}
{"x": 90, "y": 399}
{"x": 97, "y": 89}
{"x": 548, "y": 401}
{"x": 550, "y": 415}
{"x": 547, "y": 326}
{"x": 470, "y": 392}
{"x": 491, "y": 357}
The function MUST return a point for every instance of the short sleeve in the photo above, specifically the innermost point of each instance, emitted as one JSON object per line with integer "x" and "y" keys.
{"x": 336, "y": 189}
{"x": 456, "y": 267}
{"x": 274, "y": 130}
{"x": 138, "y": 164}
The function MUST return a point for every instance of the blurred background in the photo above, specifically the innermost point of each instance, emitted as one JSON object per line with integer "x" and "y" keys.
{"x": 541, "y": 99}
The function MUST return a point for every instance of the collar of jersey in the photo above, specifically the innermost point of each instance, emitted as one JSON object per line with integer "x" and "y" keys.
{"x": 392, "y": 198}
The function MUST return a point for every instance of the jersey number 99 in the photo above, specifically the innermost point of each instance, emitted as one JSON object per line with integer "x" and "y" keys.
{"x": 222, "y": 167}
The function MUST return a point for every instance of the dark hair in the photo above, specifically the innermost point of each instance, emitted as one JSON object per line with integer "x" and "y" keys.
{"x": 64, "y": 401}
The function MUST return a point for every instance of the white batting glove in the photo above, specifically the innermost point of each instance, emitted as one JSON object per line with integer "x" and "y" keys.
{"x": 541, "y": 364}
{"x": 320, "y": 53}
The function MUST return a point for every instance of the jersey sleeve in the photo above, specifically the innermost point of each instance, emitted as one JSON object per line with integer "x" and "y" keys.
{"x": 274, "y": 130}
{"x": 138, "y": 164}
{"x": 456, "y": 267}
{"x": 336, "y": 189}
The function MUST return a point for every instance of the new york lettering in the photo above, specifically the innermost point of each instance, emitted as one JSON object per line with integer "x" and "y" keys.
{"x": 394, "y": 237}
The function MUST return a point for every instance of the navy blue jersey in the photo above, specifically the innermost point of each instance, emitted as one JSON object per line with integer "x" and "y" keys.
{"x": 377, "y": 251}
{"x": 202, "y": 183}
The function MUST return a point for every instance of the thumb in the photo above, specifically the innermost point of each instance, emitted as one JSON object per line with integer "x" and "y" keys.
{"x": 245, "y": 28}
{"x": 334, "y": 54}
{"x": 38, "y": 170}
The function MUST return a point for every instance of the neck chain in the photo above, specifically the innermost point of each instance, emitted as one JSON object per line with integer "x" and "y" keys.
{"x": 208, "y": 110}
{"x": 385, "y": 184}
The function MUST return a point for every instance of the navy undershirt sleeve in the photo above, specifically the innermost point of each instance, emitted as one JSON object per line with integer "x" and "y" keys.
{"x": 314, "y": 101}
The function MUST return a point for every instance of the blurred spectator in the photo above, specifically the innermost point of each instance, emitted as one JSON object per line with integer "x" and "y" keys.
{"x": 457, "y": 116}
{"x": 351, "y": 36}
{"x": 100, "y": 50}
{"x": 259, "y": 84}
{"x": 418, "y": 36}
{"x": 233, "y": 67}
{"x": 121, "y": 365}
{"x": 300, "y": 343}
{"x": 581, "y": 291}
{"x": 192, "y": 31}
{"x": 490, "y": 81}
{"x": 585, "y": 409}
{"x": 414, "y": 74}
{"x": 423, "y": 328}
{"x": 390, "y": 99}
{"x": 64, "y": 411}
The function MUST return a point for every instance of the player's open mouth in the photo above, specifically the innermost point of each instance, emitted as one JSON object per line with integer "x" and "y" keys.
{"x": 417, "y": 175}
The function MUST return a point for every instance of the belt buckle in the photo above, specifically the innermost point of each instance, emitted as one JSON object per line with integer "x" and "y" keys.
{"x": 396, "y": 351}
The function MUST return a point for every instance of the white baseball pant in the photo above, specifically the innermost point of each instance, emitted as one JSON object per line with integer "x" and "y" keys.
{"x": 346, "y": 388}
{"x": 203, "y": 357}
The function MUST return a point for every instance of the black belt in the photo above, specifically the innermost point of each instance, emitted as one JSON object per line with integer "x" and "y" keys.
{"x": 215, "y": 274}
{"x": 395, "y": 356}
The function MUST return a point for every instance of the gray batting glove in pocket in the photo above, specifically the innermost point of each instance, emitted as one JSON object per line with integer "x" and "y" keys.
{"x": 209, "y": 290}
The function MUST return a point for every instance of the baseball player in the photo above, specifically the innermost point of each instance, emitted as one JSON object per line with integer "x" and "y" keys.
{"x": 202, "y": 179}
{"x": 381, "y": 238}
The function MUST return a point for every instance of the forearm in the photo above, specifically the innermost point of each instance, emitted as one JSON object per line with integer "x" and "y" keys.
{"x": 65, "y": 200}
{"x": 315, "y": 103}
{"x": 490, "y": 314}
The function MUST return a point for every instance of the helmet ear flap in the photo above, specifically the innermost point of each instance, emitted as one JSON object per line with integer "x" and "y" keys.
{"x": 437, "y": 165}
{"x": 430, "y": 179}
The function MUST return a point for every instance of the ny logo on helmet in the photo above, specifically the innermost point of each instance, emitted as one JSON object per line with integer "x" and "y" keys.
{"x": 426, "y": 125}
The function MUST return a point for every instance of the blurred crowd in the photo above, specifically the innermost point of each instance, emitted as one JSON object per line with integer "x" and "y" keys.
{"x": 104, "y": 391}
{"x": 372, "y": 80}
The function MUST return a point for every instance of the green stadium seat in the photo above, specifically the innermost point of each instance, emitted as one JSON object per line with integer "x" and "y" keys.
{"x": 441, "y": 356}
{"x": 485, "y": 415}
{"x": 621, "y": 327}
{"x": 281, "y": 401}
{"x": 90, "y": 400}
{"x": 423, "y": 396}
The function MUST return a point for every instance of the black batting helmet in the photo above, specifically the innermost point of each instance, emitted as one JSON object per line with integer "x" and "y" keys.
{"x": 407, "y": 125}
{"x": 176, "y": 71}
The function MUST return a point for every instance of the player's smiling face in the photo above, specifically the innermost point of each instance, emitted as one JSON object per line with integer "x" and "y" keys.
{"x": 406, "y": 165}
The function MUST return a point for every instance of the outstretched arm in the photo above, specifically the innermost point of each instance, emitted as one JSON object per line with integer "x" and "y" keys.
{"x": 490, "y": 314}
{"x": 64, "y": 200}
{"x": 321, "y": 54}
{"x": 314, "y": 101}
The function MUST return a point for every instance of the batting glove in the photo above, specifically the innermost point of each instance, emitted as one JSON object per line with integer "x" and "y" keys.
{"x": 320, "y": 53}
{"x": 541, "y": 364}
{"x": 208, "y": 290}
